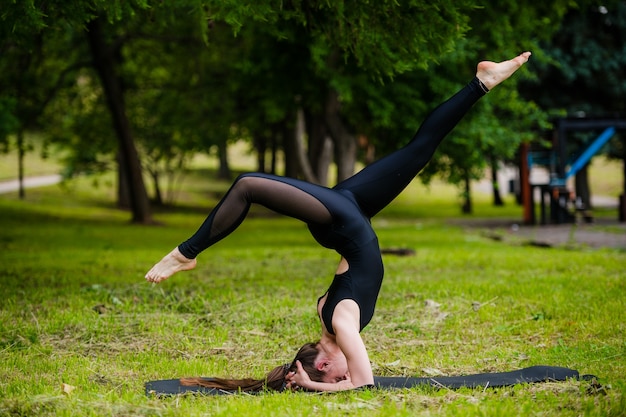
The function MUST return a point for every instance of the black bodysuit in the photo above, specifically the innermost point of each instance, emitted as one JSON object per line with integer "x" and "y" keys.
{"x": 339, "y": 217}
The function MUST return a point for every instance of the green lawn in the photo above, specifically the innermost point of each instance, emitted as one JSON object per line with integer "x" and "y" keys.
{"x": 77, "y": 311}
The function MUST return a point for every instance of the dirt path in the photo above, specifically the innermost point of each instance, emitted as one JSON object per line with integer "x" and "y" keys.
{"x": 602, "y": 233}
{"x": 30, "y": 182}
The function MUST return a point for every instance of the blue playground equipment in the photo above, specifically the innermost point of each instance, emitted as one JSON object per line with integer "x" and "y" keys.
{"x": 554, "y": 194}
{"x": 585, "y": 157}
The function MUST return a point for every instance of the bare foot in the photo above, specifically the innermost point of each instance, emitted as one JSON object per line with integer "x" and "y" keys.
{"x": 170, "y": 264}
{"x": 493, "y": 73}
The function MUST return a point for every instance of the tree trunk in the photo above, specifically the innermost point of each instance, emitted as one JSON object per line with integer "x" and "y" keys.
{"x": 345, "y": 156}
{"x": 495, "y": 186}
{"x": 21, "y": 151}
{"x": 123, "y": 192}
{"x": 466, "y": 208}
{"x": 23, "y": 63}
{"x": 301, "y": 152}
{"x": 320, "y": 147}
{"x": 291, "y": 158}
{"x": 274, "y": 157}
{"x": 104, "y": 62}
{"x": 224, "y": 172}
{"x": 525, "y": 188}
{"x": 260, "y": 145}
{"x": 345, "y": 143}
{"x": 622, "y": 197}
{"x": 370, "y": 149}
{"x": 325, "y": 158}
{"x": 158, "y": 196}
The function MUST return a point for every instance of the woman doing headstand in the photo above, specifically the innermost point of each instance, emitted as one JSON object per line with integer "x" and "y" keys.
{"x": 339, "y": 219}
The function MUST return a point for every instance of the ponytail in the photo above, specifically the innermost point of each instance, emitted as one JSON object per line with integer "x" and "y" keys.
{"x": 274, "y": 380}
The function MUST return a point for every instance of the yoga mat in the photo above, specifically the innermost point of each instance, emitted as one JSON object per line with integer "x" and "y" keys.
{"x": 532, "y": 374}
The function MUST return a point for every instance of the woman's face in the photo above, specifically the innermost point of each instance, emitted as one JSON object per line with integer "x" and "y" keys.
{"x": 336, "y": 370}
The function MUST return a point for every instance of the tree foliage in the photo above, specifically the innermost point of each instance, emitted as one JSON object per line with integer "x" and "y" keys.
{"x": 193, "y": 74}
{"x": 583, "y": 69}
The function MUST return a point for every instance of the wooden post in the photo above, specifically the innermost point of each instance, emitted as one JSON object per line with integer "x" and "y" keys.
{"x": 525, "y": 188}
{"x": 622, "y": 197}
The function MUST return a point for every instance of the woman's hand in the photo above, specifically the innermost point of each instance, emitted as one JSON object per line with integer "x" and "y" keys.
{"x": 298, "y": 379}
{"x": 345, "y": 384}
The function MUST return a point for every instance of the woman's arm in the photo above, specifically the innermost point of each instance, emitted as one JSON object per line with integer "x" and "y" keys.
{"x": 346, "y": 326}
{"x": 301, "y": 379}
{"x": 348, "y": 339}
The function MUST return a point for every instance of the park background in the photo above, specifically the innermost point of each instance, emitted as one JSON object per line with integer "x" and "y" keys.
{"x": 147, "y": 110}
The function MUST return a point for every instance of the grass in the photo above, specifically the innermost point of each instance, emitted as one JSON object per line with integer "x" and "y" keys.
{"x": 77, "y": 311}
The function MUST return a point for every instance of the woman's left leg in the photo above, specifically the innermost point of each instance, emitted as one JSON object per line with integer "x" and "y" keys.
{"x": 313, "y": 204}
{"x": 379, "y": 183}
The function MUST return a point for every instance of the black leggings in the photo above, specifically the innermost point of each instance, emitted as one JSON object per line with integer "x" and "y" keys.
{"x": 371, "y": 189}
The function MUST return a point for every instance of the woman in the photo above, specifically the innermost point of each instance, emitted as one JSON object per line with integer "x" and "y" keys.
{"x": 339, "y": 219}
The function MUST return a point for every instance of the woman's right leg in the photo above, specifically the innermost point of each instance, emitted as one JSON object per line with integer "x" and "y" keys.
{"x": 376, "y": 185}
{"x": 379, "y": 183}
{"x": 287, "y": 196}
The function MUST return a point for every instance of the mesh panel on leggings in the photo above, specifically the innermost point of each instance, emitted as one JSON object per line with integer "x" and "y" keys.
{"x": 272, "y": 193}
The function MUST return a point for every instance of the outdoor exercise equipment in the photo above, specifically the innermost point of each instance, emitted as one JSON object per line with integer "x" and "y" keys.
{"x": 555, "y": 198}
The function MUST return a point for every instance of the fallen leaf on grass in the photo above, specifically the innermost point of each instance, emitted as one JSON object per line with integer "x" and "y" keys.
{"x": 100, "y": 309}
{"x": 67, "y": 388}
{"x": 254, "y": 332}
{"x": 473, "y": 400}
{"x": 432, "y": 372}
{"x": 441, "y": 316}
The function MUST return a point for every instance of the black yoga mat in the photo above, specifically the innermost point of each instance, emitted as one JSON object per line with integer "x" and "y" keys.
{"x": 489, "y": 380}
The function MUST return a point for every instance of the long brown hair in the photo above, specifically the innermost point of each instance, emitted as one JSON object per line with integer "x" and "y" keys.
{"x": 274, "y": 380}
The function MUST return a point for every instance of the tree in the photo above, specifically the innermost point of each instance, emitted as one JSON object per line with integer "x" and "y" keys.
{"x": 180, "y": 95}
{"x": 30, "y": 26}
{"x": 106, "y": 60}
{"x": 344, "y": 39}
{"x": 31, "y": 75}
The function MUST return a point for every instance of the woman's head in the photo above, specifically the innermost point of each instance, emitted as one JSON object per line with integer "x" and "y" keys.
{"x": 320, "y": 366}
{"x": 309, "y": 356}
